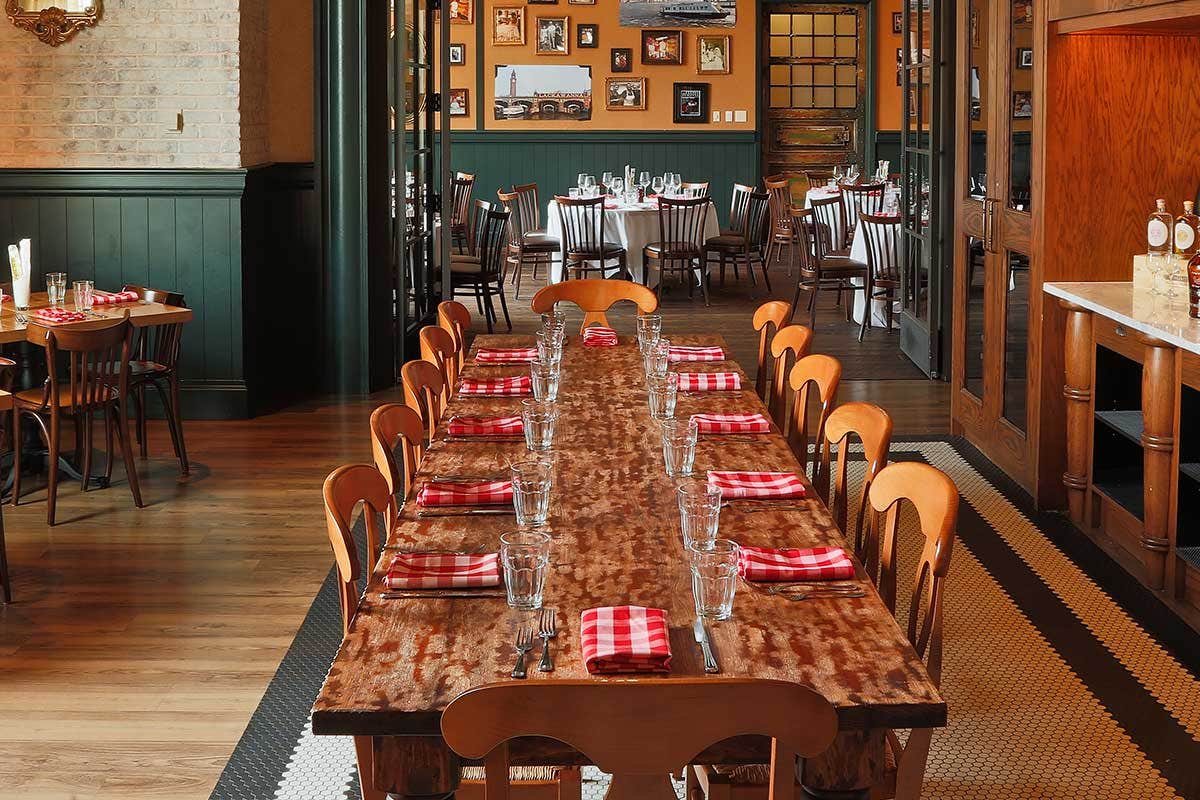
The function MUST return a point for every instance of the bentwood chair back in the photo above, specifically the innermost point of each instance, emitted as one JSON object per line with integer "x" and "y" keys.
{"x": 424, "y": 393}
{"x": 882, "y": 237}
{"x": 873, "y": 427}
{"x": 156, "y": 350}
{"x": 397, "y": 427}
{"x": 455, "y": 319}
{"x": 437, "y": 347}
{"x": 791, "y": 343}
{"x": 829, "y": 220}
{"x": 822, "y": 373}
{"x": 768, "y": 319}
{"x": 739, "y": 208}
{"x": 641, "y": 731}
{"x": 595, "y": 296}
{"x": 934, "y": 497}
{"x": 860, "y": 198}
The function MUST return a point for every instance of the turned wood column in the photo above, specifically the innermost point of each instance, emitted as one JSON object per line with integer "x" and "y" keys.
{"x": 1158, "y": 447}
{"x": 848, "y": 769}
{"x": 415, "y": 766}
{"x": 1077, "y": 389}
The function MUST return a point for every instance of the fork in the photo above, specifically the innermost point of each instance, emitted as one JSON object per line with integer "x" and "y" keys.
{"x": 812, "y": 595}
{"x": 548, "y": 631}
{"x": 524, "y": 645}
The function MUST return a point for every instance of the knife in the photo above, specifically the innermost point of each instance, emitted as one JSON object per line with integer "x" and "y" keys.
{"x": 701, "y": 633}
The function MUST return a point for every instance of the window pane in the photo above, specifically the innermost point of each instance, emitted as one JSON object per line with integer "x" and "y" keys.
{"x": 823, "y": 47}
{"x": 823, "y": 75}
{"x": 779, "y": 74}
{"x": 823, "y": 98}
{"x": 823, "y": 24}
{"x": 781, "y": 23}
{"x": 802, "y": 75}
{"x": 802, "y": 47}
{"x": 779, "y": 46}
{"x": 801, "y": 98}
{"x": 846, "y": 47}
{"x": 846, "y": 75}
{"x": 846, "y": 97}
{"x": 779, "y": 98}
{"x": 802, "y": 23}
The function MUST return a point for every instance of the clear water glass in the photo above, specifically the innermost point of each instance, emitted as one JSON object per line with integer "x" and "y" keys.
{"x": 1158, "y": 265}
{"x": 538, "y": 418}
{"x": 56, "y": 288}
{"x": 649, "y": 330}
{"x": 643, "y": 179}
{"x": 581, "y": 180}
{"x": 531, "y": 482}
{"x": 573, "y": 192}
{"x": 679, "y": 446}
{"x": 714, "y": 577}
{"x": 658, "y": 359}
{"x": 81, "y": 292}
{"x": 544, "y": 376}
{"x": 699, "y": 512}
{"x": 525, "y": 559}
{"x": 662, "y": 394}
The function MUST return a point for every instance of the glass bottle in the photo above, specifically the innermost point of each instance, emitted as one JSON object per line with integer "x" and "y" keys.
{"x": 1186, "y": 225}
{"x": 1158, "y": 229}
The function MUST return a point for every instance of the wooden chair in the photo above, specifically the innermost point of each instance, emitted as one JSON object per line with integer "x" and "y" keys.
{"x": 346, "y": 488}
{"x": 781, "y": 235}
{"x": 746, "y": 241}
{"x": 692, "y": 189}
{"x": 394, "y": 426}
{"x": 641, "y": 731}
{"x": 819, "y": 270}
{"x": 873, "y": 427}
{"x": 818, "y": 179}
{"x": 460, "y": 206}
{"x": 882, "y": 236}
{"x": 680, "y": 245}
{"x": 824, "y": 373}
{"x": 7, "y": 370}
{"x": 526, "y": 244}
{"x": 424, "y": 393}
{"x": 482, "y": 273}
{"x": 790, "y": 344}
{"x": 934, "y": 497}
{"x": 768, "y": 319}
{"x": 584, "y": 246}
{"x": 595, "y": 296}
{"x": 859, "y": 198}
{"x": 437, "y": 347}
{"x": 156, "y": 350}
{"x": 455, "y": 319}
{"x": 97, "y": 382}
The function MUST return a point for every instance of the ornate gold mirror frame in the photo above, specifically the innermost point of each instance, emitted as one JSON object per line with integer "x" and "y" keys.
{"x": 53, "y": 25}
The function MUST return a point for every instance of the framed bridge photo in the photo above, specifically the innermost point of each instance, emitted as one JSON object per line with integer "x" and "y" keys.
{"x": 542, "y": 92}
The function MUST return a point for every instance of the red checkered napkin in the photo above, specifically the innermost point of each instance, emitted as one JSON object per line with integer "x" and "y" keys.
{"x": 796, "y": 564}
{"x": 735, "y": 485}
{"x": 100, "y": 298}
{"x": 483, "y": 493}
{"x": 443, "y": 571}
{"x": 503, "y": 355}
{"x": 521, "y": 384}
{"x": 485, "y": 426}
{"x": 57, "y": 316}
{"x": 597, "y": 336}
{"x": 625, "y": 639}
{"x": 709, "y": 381}
{"x": 679, "y": 353}
{"x": 732, "y": 423}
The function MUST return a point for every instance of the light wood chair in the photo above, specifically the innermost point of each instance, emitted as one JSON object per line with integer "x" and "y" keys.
{"x": 640, "y": 732}
{"x": 156, "y": 350}
{"x": 882, "y": 236}
{"x": 873, "y": 427}
{"x": 455, "y": 319}
{"x": 768, "y": 319}
{"x": 934, "y": 497}
{"x": 595, "y": 296}
{"x": 824, "y": 373}
{"x": 791, "y": 343}
{"x": 395, "y": 426}
{"x": 437, "y": 347}
{"x": 346, "y": 488}
{"x": 424, "y": 393}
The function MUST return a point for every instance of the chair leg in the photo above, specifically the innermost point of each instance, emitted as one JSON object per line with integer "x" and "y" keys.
{"x": 109, "y": 449}
{"x": 766, "y": 278}
{"x": 52, "y": 467}
{"x": 812, "y": 306}
{"x": 139, "y": 418}
{"x": 849, "y": 299}
{"x": 172, "y": 415}
{"x": 5, "y": 576}
{"x": 749, "y": 268}
{"x": 519, "y": 267}
{"x": 504, "y": 304}
{"x": 83, "y": 422}
{"x": 127, "y": 452}
{"x": 703, "y": 288}
{"x": 17, "y": 447}
{"x": 867, "y": 310}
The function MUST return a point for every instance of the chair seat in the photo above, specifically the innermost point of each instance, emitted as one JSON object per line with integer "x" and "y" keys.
{"x": 139, "y": 369}
{"x": 832, "y": 266}
{"x": 672, "y": 250}
{"x": 538, "y": 241}
{"x": 466, "y": 267}
{"x": 32, "y": 398}
{"x": 726, "y": 241}
{"x": 462, "y": 258}
{"x": 610, "y": 251}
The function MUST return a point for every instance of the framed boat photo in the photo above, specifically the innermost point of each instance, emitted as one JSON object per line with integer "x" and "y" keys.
{"x": 687, "y": 13}
{"x": 662, "y": 47}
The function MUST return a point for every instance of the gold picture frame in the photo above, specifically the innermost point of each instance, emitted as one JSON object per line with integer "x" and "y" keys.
{"x": 712, "y": 54}
{"x": 51, "y": 24}
{"x": 629, "y": 94}
{"x": 553, "y": 36}
{"x": 508, "y": 26}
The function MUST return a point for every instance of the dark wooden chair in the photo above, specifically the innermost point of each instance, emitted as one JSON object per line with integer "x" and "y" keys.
{"x": 818, "y": 269}
{"x": 818, "y": 179}
{"x": 859, "y": 198}
{"x": 460, "y": 207}
{"x": 680, "y": 245}
{"x": 882, "y": 236}
{"x": 693, "y": 189}
{"x": 156, "y": 351}
{"x": 745, "y": 242}
{"x": 526, "y": 245}
{"x": 7, "y": 373}
{"x": 96, "y": 381}
{"x": 584, "y": 224}
{"x": 481, "y": 272}
{"x": 781, "y": 236}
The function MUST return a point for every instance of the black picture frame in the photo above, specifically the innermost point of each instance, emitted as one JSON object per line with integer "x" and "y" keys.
{"x": 674, "y": 35}
{"x": 690, "y": 103}
{"x": 897, "y": 22}
{"x": 587, "y": 35}
{"x": 458, "y": 54}
{"x": 620, "y": 59}
{"x": 1024, "y": 58}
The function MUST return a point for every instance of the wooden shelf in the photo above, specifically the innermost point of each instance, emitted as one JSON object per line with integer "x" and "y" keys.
{"x": 1127, "y": 423}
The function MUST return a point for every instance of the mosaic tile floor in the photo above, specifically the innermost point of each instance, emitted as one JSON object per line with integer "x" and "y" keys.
{"x": 1064, "y": 679}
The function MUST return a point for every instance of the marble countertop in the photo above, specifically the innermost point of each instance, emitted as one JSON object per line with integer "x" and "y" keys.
{"x": 1135, "y": 307}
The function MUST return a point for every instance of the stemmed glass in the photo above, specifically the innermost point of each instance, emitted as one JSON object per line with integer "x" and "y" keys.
{"x": 657, "y": 185}
{"x": 837, "y": 174}
{"x": 617, "y": 186}
{"x": 580, "y": 181}
{"x": 643, "y": 180}
{"x": 674, "y": 182}
{"x": 589, "y": 185}
{"x": 606, "y": 180}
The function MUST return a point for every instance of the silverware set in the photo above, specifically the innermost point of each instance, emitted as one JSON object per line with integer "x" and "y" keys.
{"x": 523, "y": 645}
{"x": 810, "y": 590}
{"x": 466, "y": 512}
{"x": 751, "y": 506}
{"x": 545, "y": 630}
{"x": 701, "y": 634}
{"x": 732, "y": 392}
{"x": 744, "y": 440}
{"x": 437, "y": 594}
{"x": 480, "y": 478}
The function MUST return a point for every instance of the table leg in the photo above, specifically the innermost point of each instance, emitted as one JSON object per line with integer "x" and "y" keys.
{"x": 415, "y": 766}
{"x": 848, "y": 769}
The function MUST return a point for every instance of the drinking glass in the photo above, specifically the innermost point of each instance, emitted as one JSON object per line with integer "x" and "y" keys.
{"x": 549, "y": 346}
{"x": 714, "y": 577}
{"x": 56, "y": 288}
{"x": 544, "y": 376}
{"x": 538, "y": 418}
{"x": 589, "y": 185}
{"x": 573, "y": 192}
{"x": 1157, "y": 264}
{"x": 643, "y": 180}
{"x": 581, "y": 180}
{"x": 525, "y": 557}
{"x": 554, "y": 319}
{"x": 699, "y": 512}
{"x": 606, "y": 180}
{"x": 831, "y": 184}
{"x": 657, "y": 184}
{"x": 531, "y": 481}
{"x": 662, "y": 393}
{"x": 81, "y": 292}
{"x": 649, "y": 329}
{"x": 658, "y": 359}
{"x": 618, "y": 186}
{"x": 837, "y": 174}
{"x": 679, "y": 446}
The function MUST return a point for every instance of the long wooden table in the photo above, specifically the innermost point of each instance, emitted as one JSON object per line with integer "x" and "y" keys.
{"x": 141, "y": 314}
{"x": 616, "y": 540}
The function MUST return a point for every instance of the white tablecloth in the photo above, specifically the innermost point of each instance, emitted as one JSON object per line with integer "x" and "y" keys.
{"x": 632, "y": 227}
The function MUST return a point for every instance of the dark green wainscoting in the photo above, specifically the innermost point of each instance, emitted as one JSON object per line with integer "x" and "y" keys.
{"x": 553, "y": 159}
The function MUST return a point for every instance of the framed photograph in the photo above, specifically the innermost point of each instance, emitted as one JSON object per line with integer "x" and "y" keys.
{"x": 621, "y": 59}
{"x": 1024, "y": 58}
{"x": 691, "y": 102}
{"x": 662, "y": 47}
{"x": 642, "y": 14}
{"x": 508, "y": 25}
{"x": 541, "y": 2}
{"x": 460, "y": 105}
{"x": 581, "y": 2}
{"x": 625, "y": 94}
{"x": 897, "y": 22}
{"x": 1022, "y": 105}
{"x": 458, "y": 54}
{"x": 542, "y": 91}
{"x": 1022, "y": 12}
{"x": 712, "y": 55}
{"x": 462, "y": 12}
{"x": 553, "y": 36}
{"x": 587, "y": 35}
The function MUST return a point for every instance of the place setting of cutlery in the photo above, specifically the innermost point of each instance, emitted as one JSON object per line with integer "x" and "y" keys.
{"x": 467, "y": 511}
{"x": 545, "y": 630}
{"x": 700, "y": 632}
{"x": 439, "y": 594}
{"x": 751, "y": 506}
{"x": 809, "y": 590}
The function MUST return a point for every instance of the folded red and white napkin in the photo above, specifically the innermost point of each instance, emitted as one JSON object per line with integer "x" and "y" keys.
{"x": 735, "y": 485}
{"x": 505, "y": 355}
{"x": 678, "y": 353}
{"x": 709, "y": 381}
{"x": 795, "y": 564}
{"x": 731, "y": 423}
{"x": 100, "y": 298}
{"x": 625, "y": 639}
{"x": 443, "y": 571}
{"x": 483, "y": 493}
{"x": 485, "y": 426}
{"x": 597, "y": 336}
{"x": 57, "y": 316}
{"x": 520, "y": 384}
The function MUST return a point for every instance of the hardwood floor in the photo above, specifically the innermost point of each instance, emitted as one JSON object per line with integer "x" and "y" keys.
{"x": 141, "y": 640}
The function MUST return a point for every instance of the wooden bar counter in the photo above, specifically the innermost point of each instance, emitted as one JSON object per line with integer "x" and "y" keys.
{"x": 1132, "y": 389}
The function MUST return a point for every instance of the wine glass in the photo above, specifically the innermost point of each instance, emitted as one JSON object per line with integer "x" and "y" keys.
{"x": 617, "y": 185}
{"x": 579, "y": 180}
{"x": 589, "y": 185}
{"x": 657, "y": 185}
{"x": 606, "y": 180}
{"x": 643, "y": 179}
{"x": 837, "y": 174}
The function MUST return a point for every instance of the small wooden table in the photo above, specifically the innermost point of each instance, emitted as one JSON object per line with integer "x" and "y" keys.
{"x": 616, "y": 540}
{"x": 141, "y": 314}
